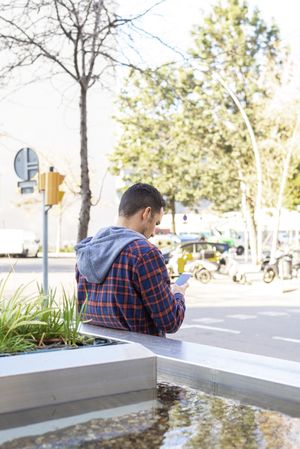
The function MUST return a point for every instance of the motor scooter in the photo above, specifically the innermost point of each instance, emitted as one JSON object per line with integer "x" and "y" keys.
{"x": 281, "y": 267}
{"x": 228, "y": 265}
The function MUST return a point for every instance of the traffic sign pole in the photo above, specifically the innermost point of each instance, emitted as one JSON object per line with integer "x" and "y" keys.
{"x": 26, "y": 165}
{"x": 45, "y": 247}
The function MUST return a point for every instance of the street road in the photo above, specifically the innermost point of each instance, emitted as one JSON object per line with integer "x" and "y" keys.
{"x": 29, "y": 272}
{"x": 35, "y": 265}
{"x": 258, "y": 318}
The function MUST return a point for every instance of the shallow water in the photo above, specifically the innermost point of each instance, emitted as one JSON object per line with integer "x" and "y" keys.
{"x": 179, "y": 418}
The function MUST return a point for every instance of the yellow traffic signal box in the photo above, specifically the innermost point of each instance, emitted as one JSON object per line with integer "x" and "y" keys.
{"x": 52, "y": 182}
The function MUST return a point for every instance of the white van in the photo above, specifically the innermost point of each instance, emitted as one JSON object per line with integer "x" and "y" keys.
{"x": 18, "y": 242}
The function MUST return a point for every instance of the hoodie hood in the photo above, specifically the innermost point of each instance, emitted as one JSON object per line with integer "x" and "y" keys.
{"x": 95, "y": 255}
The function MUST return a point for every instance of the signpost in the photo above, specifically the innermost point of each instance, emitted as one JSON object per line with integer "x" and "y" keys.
{"x": 26, "y": 165}
{"x": 49, "y": 186}
{"x": 45, "y": 244}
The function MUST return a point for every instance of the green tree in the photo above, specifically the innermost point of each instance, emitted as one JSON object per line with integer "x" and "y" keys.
{"x": 234, "y": 44}
{"x": 279, "y": 122}
{"x": 234, "y": 50}
{"x": 155, "y": 145}
{"x": 293, "y": 186}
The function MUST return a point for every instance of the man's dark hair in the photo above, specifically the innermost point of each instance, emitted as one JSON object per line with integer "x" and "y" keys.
{"x": 140, "y": 196}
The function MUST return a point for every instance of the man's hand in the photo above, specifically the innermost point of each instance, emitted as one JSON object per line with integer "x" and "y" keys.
{"x": 179, "y": 288}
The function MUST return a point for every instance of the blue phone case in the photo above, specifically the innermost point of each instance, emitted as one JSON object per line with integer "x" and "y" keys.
{"x": 183, "y": 278}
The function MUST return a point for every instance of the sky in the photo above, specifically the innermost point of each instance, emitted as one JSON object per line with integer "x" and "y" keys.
{"x": 174, "y": 19}
{"x": 44, "y": 116}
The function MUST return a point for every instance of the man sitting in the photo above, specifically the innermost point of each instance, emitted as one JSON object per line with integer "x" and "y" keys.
{"x": 122, "y": 278}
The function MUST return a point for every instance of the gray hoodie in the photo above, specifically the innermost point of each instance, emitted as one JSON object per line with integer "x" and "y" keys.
{"x": 95, "y": 255}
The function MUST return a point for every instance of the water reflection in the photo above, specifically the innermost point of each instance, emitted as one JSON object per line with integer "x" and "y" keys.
{"x": 182, "y": 418}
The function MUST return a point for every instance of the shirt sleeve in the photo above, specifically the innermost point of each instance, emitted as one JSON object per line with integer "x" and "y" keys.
{"x": 165, "y": 308}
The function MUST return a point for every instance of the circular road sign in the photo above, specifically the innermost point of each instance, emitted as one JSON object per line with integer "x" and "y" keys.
{"x": 26, "y": 164}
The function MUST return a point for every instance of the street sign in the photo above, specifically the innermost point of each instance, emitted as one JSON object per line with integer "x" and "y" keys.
{"x": 26, "y": 164}
{"x": 26, "y": 186}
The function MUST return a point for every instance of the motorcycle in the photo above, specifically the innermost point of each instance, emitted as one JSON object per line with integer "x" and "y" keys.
{"x": 281, "y": 267}
{"x": 232, "y": 268}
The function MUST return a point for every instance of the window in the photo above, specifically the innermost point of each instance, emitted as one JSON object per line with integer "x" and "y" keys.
{"x": 187, "y": 248}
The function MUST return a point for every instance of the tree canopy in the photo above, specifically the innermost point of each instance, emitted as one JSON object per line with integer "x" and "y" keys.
{"x": 156, "y": 145}
{"x": 187, "y": 112}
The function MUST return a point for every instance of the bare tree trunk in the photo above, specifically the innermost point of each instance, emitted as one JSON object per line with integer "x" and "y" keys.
{"x": 258, "y": 167}
{"x": 84, "y": 215}
{"x": 245, "y": 214}
{"x": 173, "y": 212}
{"x": 251, "y": 225}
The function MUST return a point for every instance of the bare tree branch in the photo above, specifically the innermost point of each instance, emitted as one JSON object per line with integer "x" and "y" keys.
{"x": 83, "y": 39}
{"x": 101, "y": 189}
{"x": 30, "y": 41}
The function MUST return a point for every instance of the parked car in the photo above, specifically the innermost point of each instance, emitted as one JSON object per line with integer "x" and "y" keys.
{"x": 197, "y": 250}
{"x": 231, "y": 237}
{"x": 18, "y": 242}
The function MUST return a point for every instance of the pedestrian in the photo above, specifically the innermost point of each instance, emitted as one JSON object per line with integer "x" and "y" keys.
{"x": 122, "y": 279}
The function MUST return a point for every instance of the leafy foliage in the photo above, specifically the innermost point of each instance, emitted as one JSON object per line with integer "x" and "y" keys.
{"x": 238, "y": 46}
{"x": 293, "y": 187}
{"x": 155, "y": 145}
{"x": 28, "y": 322}
{"x": 181, "y": 129}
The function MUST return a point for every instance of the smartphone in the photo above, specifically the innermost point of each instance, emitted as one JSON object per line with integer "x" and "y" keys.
{"x": 183, "y": 278}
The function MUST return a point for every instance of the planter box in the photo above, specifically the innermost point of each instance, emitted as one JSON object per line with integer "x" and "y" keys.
{"x": 55, "y": 377}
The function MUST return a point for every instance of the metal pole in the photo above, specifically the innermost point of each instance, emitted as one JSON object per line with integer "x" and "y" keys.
{"x": 45, "y": 246}
{"x": 46, "y": 208}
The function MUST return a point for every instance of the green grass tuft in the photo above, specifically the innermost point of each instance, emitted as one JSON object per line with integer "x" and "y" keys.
{"x": 32, "y": 321}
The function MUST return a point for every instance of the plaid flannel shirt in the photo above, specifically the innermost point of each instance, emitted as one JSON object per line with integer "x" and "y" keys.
{"x": 135, "y": 295}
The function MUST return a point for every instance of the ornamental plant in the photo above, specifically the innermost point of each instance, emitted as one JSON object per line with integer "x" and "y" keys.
{"x": 30, "y": 322}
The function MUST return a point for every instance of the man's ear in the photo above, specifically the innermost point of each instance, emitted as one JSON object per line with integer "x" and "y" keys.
{"x": 146, "y": 213}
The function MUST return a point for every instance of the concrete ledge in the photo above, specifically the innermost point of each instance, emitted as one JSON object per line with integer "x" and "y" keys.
{"x": 54, "y": 377}
{"x": 259, "y": 380}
